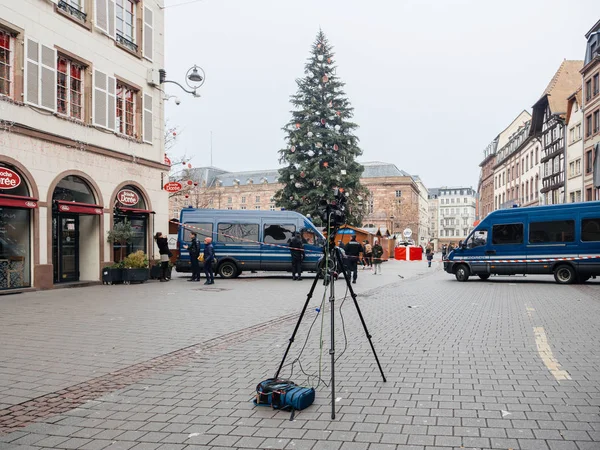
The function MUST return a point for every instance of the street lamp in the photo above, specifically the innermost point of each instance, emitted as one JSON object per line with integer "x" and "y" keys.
{"x": 194, "y": 78}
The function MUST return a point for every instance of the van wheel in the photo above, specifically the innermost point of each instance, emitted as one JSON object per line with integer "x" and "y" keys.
{"x": 462, "y": 272}
{"x": 484, "y": 276}
{"x": 565, "y": 274}
{"x": 228, "y": 269}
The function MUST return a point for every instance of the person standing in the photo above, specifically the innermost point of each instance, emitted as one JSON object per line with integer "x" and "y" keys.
{"x": 429, "y": 256}
{"x": 194, "y": 250}
{"x": 369, "y": 254}
{"x": 377, "y": 257}
{"x": 209, "y": 259}
{"x": 297, "y": 251}
{"x": 163, "y": 250}
{"x": 444, "y": 251}
{"x": 353, "y": 251}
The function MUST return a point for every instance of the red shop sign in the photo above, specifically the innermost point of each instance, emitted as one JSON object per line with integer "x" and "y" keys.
{"x": 173, "y": 186}
{"x": 127, "y": 197}
{"x": 9, "y": 179}
{"x": 167, "y": 160}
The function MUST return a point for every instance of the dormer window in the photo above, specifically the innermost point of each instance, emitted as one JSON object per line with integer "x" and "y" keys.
{"x": 236, "y": 182}
{"x": 264, "y": 180}
{"x": 250, "y": 181}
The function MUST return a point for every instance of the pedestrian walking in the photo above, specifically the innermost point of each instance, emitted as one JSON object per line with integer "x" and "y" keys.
{"x": 353, "y": 250}
{"x": 209, "y": 259}
{"x": 377, "y": 257}
{"x": 429, "y": 256}
{"x": 369, "y": 254}
{"x": 297, "y": 251}
{"x": 444, "y": 251}
{"x": 194, "y": 251}
{"x": 163, "y": 250}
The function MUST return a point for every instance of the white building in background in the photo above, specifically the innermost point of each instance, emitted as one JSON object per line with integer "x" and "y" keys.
{"x": 424, "y": 224}
{"x": 574, "y": 166}
{"x": 433, "y": 201}
{"x": 81, "y": 141}
{"x": 457, "y": 213}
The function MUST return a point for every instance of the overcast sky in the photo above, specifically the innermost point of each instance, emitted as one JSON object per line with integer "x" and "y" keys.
{"x": 432, "y": 82}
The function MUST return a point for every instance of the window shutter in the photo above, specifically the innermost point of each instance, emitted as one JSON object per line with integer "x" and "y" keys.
{"x": 111, "y": 112}
{"x": 148, "y": 119}
{"x": 101, "y": 10}
{"x": 100, "y": 107}
{"x": 148, "y": 48}
{"x": 48, "y": 78}
{"x": 32, "y": 73}
{"x": 111, "y": 18}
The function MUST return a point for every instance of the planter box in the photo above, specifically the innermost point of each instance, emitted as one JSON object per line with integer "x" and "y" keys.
{"x": 112, "y": 276}
{"x": 136, "y": 275}
{"x": 156, "y": 270}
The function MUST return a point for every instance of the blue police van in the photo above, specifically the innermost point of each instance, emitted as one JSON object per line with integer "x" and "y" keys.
{"x": 563, "y": 240}
{"x": 248, "y": 240}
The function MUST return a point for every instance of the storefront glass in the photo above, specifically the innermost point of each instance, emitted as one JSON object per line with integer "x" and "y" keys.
{"x": 131, "y": 206}
{"x": 15, "y": 235}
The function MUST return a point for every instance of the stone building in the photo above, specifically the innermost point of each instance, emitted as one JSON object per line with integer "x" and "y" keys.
{"x": 486, "y": 179}
{"x": 81, "y": 141}
{"x": 395, "y": 201}
{"x": 434, "y": 205}
{"x": 457, "y": 213}
{"x": 591, "y": 107}
{"x": 574, "y": 124}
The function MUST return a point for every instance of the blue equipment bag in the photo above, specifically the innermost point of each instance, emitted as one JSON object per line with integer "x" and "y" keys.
{"x": 283, "y": 394}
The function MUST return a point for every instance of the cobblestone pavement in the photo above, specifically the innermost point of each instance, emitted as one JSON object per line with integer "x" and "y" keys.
{"x": 511, "y": 363}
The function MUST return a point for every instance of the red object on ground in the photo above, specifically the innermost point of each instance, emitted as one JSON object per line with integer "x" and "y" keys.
{"x": 400, "y": 253}
{"x": 415, "y": 253}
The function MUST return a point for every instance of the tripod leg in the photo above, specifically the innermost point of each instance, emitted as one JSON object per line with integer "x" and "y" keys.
{"x": 291, "y": 341}
{"x": 332, "y": 348}
{"x": 362, "y": 320}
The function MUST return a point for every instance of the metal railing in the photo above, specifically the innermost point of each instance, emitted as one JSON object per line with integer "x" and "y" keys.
{"x": 72, "y": 10}
{"x": 125, "y": 42}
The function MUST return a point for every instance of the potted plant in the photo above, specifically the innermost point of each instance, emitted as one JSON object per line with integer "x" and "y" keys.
{"x": 156, "y": 269}
{"x": 113, "y": 274}
{"x": 135, "y": 267}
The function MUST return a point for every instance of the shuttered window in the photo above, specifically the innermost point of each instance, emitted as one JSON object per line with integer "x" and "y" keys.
{"x": 148, "y": 47}
{"x": 40, "y": 75}
{"x": 105, "y": 16}
{"x": 104, "y": 108}
{"x": 148, "y": 119}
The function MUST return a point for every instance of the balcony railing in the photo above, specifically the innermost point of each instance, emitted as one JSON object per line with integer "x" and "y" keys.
{"x": 125, "y": 42}
{"x": 72, "y": 10}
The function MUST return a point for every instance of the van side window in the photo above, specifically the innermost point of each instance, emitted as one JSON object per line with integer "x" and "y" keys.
{"x": 238, "y": 233}
{"x": 278, "y": 234}
{"x": 590, "y": 230}
{"x": 203, "y": 230}
{"x": 552, "y": 231}
{"x": 511, "y": 233}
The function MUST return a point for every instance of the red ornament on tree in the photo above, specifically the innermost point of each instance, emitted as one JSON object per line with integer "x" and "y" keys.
{"x": 187, "y": 196}
{"x": 196, "y": 183}
{"x": 190, "y": 182}
{"x": 323, "y": 122}
{"x": 297, "y": 125}
{"x": 189, "y": 165}
{"x": 335, "y": 147}
{"x": 338, "y": 113}
{"x": 329, "y": 60}
{"x": 325, "y": 164}
{"x": 302, "y": 174}
{"x": 293, "y": 149}
{"x": 183, "y": 163}
{"x": 325, "y": 78}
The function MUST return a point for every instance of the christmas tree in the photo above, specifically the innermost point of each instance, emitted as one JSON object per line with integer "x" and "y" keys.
{"x": 321, "y": 148}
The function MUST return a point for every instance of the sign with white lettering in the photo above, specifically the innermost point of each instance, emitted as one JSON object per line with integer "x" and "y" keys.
{"x": 127, "y": 197}
{"x": 9, "y": 179}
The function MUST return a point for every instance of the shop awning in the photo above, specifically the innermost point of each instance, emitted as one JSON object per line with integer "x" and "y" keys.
{"x": 17, "y": 201}
{"x": 78, "y": 208}
{"x": 135, "y": 210}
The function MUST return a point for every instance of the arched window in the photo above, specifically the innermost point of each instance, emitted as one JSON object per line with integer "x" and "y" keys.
{"x": 130, "y": 197}
{"x": 73, "y": 189}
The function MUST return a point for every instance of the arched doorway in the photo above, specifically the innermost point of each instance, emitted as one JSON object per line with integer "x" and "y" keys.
{"x": 16, "y": 205}
{"x": 75, "y": 229}
{"x": 130, "y": 205}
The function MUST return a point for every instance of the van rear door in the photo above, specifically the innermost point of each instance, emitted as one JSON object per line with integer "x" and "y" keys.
{"x": 275, "y": 251}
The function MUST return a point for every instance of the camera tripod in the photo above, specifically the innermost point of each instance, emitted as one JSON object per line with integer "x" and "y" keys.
{"x": 329, "y": 274}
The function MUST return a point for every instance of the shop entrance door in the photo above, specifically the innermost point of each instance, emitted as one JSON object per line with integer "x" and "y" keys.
{"x": 66, "y": 248}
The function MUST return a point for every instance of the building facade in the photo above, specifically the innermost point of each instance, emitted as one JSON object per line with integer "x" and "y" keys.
{"x": 394, "y": 204}
{"x": 424, "y": 225}
{"x": 457, "y": 213}
{"x": 81, "y": 142}
{"x": 486, "y": 179}
{"x": 591, "y": 121}
{"x": 434, "y": 210}
{"x": 574, "y": 124}
{"x": 549, "y": 126}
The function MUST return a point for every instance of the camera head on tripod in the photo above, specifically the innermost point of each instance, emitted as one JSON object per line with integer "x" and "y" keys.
{"x": 333, "y": 213}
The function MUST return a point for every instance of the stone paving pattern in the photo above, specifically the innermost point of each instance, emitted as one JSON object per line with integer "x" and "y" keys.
{"x": 462, "y": 365}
